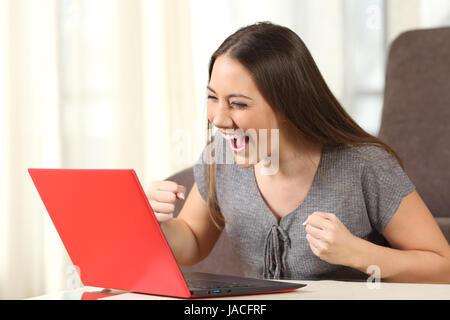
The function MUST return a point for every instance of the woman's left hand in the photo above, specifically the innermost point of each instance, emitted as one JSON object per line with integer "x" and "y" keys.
{"x": 329, "y": 239}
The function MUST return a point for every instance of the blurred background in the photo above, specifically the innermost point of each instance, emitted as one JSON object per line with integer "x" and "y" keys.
{"x": 122, "y": 84}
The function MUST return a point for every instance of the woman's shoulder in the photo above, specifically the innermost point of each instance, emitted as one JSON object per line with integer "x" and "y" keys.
{"x": 363, "y": 156}
{"x": 377, "y": 168}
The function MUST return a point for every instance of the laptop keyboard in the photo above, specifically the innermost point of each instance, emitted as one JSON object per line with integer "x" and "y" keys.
{"x": 211, "y": 284}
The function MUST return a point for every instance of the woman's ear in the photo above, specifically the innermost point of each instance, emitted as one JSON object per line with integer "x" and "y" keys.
{"x": 281, "y": 119}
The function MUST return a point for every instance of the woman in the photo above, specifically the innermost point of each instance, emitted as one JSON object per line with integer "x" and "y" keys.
{"x": 338, "y": 204}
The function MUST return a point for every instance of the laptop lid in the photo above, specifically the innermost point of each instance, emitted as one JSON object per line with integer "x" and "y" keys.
{"x": 109, "y": 230}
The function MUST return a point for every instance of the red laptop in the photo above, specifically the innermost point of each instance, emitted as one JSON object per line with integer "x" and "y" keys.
{"x": 111, "y": 234}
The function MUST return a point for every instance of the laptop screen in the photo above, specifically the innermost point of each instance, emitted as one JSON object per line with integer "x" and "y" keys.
{"x": 109, "y": 230}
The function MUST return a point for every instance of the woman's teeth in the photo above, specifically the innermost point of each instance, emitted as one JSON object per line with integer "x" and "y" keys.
{"x": 233, "y": 136}
{"x": 237, "y": 141}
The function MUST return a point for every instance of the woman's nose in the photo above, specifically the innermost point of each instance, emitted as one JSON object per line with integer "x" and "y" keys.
{"x": 222, "y": 120}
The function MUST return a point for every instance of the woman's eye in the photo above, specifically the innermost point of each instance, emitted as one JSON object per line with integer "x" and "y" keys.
{"x": 239, "y": 105}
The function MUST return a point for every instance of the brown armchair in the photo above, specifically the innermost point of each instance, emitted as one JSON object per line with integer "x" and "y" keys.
{"x": 416, "y": 114}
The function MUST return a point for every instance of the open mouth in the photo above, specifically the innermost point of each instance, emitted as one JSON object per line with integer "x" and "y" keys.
{"x": 238, "y": 142}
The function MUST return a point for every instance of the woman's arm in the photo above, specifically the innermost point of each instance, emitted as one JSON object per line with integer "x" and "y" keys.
{"x": 419, "y": 253}
{"x": 192, "y": 235}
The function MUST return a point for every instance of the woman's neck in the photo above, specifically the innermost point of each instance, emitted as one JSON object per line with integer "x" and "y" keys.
{"x": 296, "y": 157}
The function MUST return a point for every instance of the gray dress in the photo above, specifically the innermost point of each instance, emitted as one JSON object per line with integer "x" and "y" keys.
{"x": 362, "y": 186}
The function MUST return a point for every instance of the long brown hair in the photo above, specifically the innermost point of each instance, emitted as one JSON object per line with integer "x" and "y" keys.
{"x": 290, "y": 81}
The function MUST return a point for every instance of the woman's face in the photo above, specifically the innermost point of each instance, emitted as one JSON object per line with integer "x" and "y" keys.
{"x": 234, "y": 102}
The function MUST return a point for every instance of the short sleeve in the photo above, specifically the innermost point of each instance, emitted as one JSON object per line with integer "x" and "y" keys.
{"x": 201, "y": 175}
{"x": 385, "y": 184}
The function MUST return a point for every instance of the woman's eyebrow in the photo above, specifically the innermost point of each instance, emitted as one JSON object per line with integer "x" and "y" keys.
{"x": 231, "y": 95}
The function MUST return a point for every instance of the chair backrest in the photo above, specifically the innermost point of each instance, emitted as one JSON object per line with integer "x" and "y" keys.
{"x": 221, "y": 260}
{"x": 416, "y": 112}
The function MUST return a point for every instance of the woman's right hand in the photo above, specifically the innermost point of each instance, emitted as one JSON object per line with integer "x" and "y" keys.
{"x": 162, "y": 196}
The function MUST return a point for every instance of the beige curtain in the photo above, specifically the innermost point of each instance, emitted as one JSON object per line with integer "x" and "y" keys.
{"x": 420, "y": 14}
{"x": 31, "y": 257}
{"x": 153, "y": 120}
{"x": 154, "y": 99}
